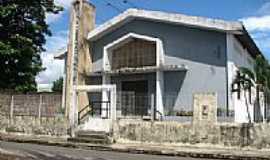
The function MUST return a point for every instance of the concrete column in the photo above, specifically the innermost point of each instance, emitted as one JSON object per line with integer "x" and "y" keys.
{"x": 73, "y": 113}
{"x": 11, "y": 109}
{"x": 152, "y": 107}
{"x": 113, "y": 103}
{"x": 80, "y": 26}
{"x": 105, "y": 97}
{"x": 160, "y": 53}
{"x": 40, "y": 106}
{"x": 64, "y": 92}
{"x": 159, "y": 93}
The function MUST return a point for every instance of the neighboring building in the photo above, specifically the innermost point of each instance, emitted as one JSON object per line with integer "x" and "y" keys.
{"x": 44, "y": 88}
{"x": 167, "y": 56}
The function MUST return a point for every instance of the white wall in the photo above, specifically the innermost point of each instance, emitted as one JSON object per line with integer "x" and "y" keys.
{"x": 237, "y": 57}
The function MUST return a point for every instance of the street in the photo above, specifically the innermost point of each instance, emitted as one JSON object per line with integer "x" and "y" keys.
{"x": 22, "y": 151}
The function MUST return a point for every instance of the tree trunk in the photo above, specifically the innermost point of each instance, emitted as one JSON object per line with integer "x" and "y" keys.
{"x": 257, "y": 104}
{"x": 248, "y": 112}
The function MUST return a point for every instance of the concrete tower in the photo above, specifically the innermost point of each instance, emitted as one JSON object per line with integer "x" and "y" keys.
{"x": 82, "y": 21}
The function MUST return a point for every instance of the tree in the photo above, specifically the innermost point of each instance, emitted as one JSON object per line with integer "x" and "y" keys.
{"x": 58, "y": 85}
{"x": 22, "y": 35}
{"x": 261, "y": 77}
{"x": 262, "y": 74}
{"x": 244, "y": 81}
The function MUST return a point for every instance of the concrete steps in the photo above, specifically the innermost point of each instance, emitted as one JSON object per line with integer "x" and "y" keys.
{"x": 83, "y": 136}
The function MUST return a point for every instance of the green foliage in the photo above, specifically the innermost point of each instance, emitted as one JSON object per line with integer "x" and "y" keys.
{"x": 246, "y": 79}
{"x": 260, "y": 76}
{"x": 22, "y": 35}
{"x": 58, "y": 85}
{"x": 262, "y": 71}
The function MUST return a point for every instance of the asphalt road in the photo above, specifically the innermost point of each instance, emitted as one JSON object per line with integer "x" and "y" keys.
{"x": 40, "y": 152}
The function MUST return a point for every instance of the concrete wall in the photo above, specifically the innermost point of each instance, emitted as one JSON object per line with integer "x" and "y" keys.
{"x": 203, "y": 52}
{"x": 237, "y": 135}
{"x": 238, "y": 56}
{"x": 37, "y": 114}
{"x": 203, "y": 130}
{"x": 86, "y": 24}
{"x": 51, "y": 126}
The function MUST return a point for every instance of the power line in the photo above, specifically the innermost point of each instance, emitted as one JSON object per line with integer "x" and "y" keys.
{"x": 130, "y": 3}
{"x": 99, "y": 16}
{"x": 116, "y": 8}
{"x": 105, "y": 3}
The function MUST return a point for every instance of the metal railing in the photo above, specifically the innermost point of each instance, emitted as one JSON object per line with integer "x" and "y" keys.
{"x": 99, "y": 110}
{"x": 83, "y": 113}
{"x": 133, "y": 105}
{"x": 94, "y": 109}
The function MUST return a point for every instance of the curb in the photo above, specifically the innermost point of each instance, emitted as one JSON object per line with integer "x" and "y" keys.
{"x": 133, "y": 150}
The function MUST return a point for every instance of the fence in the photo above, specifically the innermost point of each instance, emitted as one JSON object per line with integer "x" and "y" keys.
{"x": 138, "y": 105}
{"x": 176, "y": 107}
{"x": 267, "y": 105}
{"x": 36, "y": 105}
{"x": 38, "y": 114}
{"x": 130, "y": 104}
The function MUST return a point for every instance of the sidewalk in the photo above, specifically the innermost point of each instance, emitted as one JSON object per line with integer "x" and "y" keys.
{"x": 145, "y": 148}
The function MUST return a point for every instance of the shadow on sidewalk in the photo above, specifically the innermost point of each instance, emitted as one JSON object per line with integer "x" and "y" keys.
{"x": 32, "y": 155}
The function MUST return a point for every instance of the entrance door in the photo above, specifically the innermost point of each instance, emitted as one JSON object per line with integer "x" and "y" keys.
{"x": 134, "y": 98}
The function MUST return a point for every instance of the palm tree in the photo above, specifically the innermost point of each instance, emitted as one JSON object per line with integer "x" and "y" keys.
{"x": 244, "y": 81}
{"x": 261, "y": 76}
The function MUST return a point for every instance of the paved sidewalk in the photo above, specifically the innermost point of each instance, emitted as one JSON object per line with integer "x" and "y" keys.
{"x": 146, "y": 148}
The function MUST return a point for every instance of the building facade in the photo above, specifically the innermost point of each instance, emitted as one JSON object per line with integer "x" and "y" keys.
{"x": 160, "y": 60}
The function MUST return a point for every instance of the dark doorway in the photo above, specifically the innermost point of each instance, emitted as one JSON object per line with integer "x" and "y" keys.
{"x": 139, "y": 87}
{"x": 135, "y": 98}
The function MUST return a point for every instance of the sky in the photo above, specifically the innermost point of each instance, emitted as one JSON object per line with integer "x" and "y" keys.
{"x": 255, "y": 14}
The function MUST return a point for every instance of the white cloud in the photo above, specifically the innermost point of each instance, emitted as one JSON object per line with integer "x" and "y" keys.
{"x": 57, "y": 41}
{"x": 50, "y": 18}
{"x": 54, "y": 68}
{"x": 261, "y": 23}
{"x": 259, "y": 27}
{"x": 64, "y": 3}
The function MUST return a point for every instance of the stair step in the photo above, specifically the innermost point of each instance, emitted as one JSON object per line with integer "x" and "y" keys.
{"x": 94, "y": 136}
{"x": 89, "y": 140}
{"x": 88, "y": 136}
{"x": 89, "y": 132}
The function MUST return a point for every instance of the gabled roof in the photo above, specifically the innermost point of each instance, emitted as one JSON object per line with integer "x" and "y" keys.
{"x": 234, "y": 27}
{"x": 131, "y": 14}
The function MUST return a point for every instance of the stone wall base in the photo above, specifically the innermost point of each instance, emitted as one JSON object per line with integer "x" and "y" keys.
{"x": 52, "y": 126}
{"x": 237, "y": 135}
